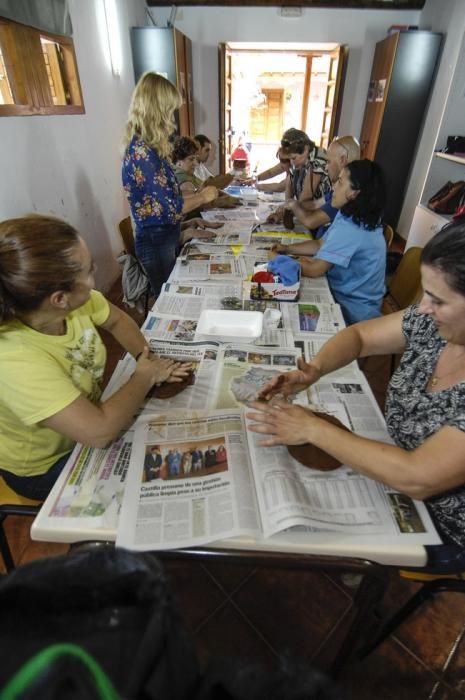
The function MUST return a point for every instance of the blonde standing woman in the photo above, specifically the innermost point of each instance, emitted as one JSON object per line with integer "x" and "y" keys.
{"x": 154, "y": 196}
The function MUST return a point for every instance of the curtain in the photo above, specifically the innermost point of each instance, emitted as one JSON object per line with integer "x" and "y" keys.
{"x": 47, "y": 15}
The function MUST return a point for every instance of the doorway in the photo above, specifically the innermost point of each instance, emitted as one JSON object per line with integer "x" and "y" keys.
{"x": 267, "y": 88}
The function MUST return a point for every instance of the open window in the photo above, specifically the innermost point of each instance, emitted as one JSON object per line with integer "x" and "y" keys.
{"x": 38, "y": 72}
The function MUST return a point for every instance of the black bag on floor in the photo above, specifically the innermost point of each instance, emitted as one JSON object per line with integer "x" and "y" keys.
{"x": 115, "y": 605}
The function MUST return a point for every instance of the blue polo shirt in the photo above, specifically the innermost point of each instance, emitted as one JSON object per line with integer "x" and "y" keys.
{"x": 357, "y": 277}
{"x": 330, "y": 212}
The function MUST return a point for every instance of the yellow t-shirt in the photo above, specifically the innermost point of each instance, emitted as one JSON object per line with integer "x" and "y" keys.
{"x": 39, "y": 376}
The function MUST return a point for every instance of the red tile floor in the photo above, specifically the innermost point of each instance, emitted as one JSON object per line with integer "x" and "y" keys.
{"x": 257, "y": 614}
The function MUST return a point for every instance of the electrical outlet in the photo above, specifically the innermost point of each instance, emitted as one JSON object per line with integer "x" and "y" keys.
{"x": 291, "y": 11}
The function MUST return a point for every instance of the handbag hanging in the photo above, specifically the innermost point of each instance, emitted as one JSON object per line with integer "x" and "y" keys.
{"x": 447, "y": 199}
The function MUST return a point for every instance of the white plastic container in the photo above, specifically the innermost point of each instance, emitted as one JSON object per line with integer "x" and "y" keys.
{"x": 230, "y": 326}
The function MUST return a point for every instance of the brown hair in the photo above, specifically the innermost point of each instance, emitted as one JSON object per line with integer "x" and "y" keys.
{"x": 37, "y": 258}
{"x": 183, "y": 147}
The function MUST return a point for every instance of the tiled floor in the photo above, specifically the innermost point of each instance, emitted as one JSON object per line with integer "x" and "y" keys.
{"x": 257, "y": 614}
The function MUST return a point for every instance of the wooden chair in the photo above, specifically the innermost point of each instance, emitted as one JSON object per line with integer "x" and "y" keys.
{"x": 388, "y": 232}
{"x": 127, "y": 234}
{"x": 12, "y": 504}
{"x": 404, "y": 287}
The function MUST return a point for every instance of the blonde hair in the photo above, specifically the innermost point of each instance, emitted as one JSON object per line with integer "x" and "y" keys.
{"x": 151, "y": 113}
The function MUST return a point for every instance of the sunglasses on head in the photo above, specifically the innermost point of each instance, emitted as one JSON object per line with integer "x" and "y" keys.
{"x": 294, "y": 146}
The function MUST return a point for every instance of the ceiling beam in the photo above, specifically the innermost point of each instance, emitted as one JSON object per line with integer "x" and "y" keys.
{"x": 329, "y": 4}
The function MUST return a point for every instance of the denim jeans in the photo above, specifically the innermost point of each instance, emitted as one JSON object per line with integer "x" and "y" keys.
{"x": 156, "y": 248}
{"x": 35, "y": 487}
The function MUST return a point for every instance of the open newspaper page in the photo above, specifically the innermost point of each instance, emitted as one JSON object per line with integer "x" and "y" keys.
{"x": 243, "y": 216}
{"x": 315, "y": 289}
{"x": 189, "y": 482}
{"x": 312, "y": 317}
{"x": 325, "y": 505}
{"x": 225, "y": 376}
{"x": 87, "y": 495}
{"x": 218, "y": 268}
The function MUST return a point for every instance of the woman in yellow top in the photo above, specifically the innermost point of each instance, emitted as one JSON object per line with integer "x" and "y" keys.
{"x": 52, "y": 358}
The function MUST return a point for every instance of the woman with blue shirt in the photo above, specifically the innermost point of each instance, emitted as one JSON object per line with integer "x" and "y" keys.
{"x": 155, "y": 199}
{"x": 352, "y": 252}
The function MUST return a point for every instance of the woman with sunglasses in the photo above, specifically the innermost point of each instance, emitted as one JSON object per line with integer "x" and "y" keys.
{"x": 352, "y": 252}
{"x": 308, "y": 180}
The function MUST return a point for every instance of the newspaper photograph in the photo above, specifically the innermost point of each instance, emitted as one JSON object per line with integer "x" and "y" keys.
{"x": 312, "y": 317}
{"x": 189, "y": 482}
{"x": 363, "y": 413}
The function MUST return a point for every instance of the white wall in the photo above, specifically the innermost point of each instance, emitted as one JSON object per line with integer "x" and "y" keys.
{"x": 359, "y": 29}
{"x": 447, "y": 16}
{"x": 70, "y": 166}
{"x": 207, "y": 27}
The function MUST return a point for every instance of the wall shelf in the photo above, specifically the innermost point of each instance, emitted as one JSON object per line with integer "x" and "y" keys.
{"x": 450, "y": 156}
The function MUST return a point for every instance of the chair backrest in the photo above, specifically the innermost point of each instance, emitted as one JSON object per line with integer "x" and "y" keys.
{"x": 405, "y": 284}
{"x": 388, "y": 235}
{"x": 127, "y": 234}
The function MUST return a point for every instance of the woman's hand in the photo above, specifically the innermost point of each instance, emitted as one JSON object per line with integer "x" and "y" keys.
{"x": 208, "y": 193}
{"x": 279, "y": 248}
{"x": 291, "y": 382}
{"x": 180, "y": 372}
{"x": 286, "y": 424}
{"x": 156, "y": 370}
{"x": 198, "y": 222}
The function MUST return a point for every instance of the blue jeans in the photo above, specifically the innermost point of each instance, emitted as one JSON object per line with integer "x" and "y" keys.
{"x": 35, "y": 487}
{"x": 156, "y": 248}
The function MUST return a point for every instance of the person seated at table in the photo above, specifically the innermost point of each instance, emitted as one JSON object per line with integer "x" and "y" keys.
{"x": 352, "y": 252}
{"x": 425, "y": 407}
{"x": 184, "y": 157}
{"x": 52, "y": 358}
{"x": 342, "y": 150}
{"x": 308, "y": 180}
{"x": 155, "y": 199}
{"x": 204, "y": 146}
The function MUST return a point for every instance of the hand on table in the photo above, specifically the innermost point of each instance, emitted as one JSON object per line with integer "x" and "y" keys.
{"x": 285, "y": 423}
{"x": 157, "y": 370}
{"x": 209, "y": 194}
{"x": 291, "y": 382}
{"x": 279, "y": 248}
{"x": 200, "y": 223}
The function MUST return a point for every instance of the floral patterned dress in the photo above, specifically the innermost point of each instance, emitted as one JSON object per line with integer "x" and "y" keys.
{"x": 156, "y": 207}
{"x": 413, "y": 413}
{"x": 151, "y": 187}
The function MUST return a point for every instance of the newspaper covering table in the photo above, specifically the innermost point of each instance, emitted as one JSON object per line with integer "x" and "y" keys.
{"x": 254, "y": 497}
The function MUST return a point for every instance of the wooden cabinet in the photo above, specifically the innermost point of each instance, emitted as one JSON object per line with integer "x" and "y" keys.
{"x": 400, "y": 83}
{"x": 168, "y": 52}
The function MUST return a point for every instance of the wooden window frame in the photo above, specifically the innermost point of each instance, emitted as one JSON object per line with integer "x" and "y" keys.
{"x": 27, "y": 75}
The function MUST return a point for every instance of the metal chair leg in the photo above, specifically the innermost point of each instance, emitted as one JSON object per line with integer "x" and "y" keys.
{"x": 428, "y": 591}
{"x": 5, "y": 547}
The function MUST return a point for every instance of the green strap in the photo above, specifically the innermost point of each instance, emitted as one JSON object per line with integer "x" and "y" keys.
{"x": 32, "y": 668}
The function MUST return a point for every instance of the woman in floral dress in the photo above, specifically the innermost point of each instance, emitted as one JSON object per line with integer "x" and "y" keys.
{"x": 155, "y": 199}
